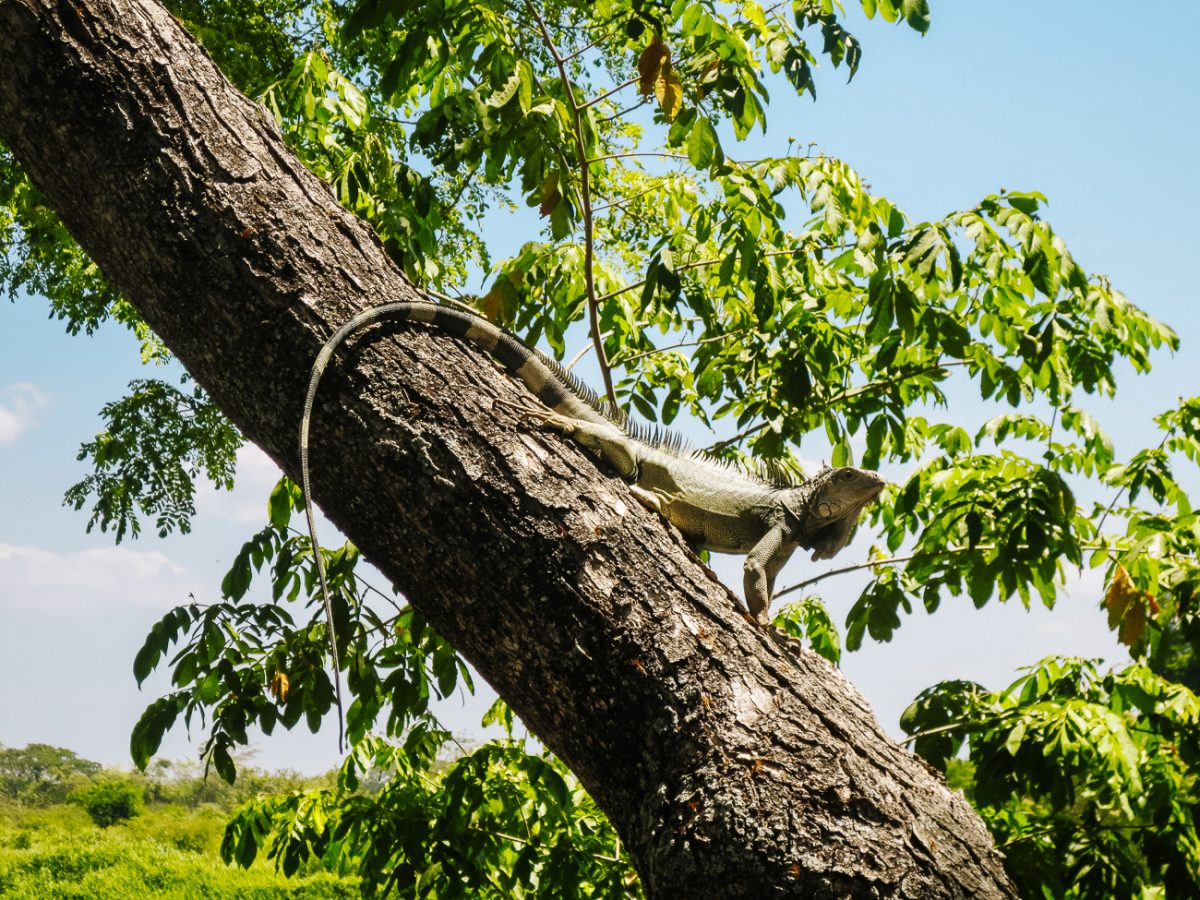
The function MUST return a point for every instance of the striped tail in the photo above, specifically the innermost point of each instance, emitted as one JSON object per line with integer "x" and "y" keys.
{"x": 547, "y": 380}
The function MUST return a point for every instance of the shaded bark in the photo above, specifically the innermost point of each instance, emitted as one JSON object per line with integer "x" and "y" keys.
{"x": 733, "y": 764}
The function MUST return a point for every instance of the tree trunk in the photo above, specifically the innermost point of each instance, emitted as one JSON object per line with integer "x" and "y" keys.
{"x": 733, "y": 763}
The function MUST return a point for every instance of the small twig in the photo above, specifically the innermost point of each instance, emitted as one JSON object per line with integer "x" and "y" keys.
{"x": 626, "y": 110}
{"x": 604, "y": 37}
{"x": 625, "y": 201}
{"x": 528, "y": 842}
{"x": 622, "y": 361}
{"x": 607, "y": 94}
{"x": 890, "y": 561}
{"x": 632, "y": 153}
{"x": 1111, "y": 506}
{"x": 929, "y": 732}
{"x": 875, "y": 385}
{"x": 584, "y": 352}
{"x": 695, "y": 264}
{"x": 737, "y": 438}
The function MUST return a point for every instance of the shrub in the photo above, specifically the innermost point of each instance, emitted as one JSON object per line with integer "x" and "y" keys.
{"x": 109, "y": 800}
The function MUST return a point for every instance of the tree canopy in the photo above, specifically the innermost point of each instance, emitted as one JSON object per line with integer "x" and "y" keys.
{"x": 774, "y": 303}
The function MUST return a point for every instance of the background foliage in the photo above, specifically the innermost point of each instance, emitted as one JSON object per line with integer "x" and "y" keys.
{"x": 773, "y": 304}
{"x": 51, "y": 849}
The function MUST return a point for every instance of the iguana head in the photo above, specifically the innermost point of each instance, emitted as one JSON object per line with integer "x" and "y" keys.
{"x": 825, "y": 508}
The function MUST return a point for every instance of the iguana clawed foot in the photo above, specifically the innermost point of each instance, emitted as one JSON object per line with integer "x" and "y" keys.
{"x": 530, "y": 408}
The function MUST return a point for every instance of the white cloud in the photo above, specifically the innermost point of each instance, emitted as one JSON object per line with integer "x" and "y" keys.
{"x": 19, "y": 405}
{"x": 100, "y": 578}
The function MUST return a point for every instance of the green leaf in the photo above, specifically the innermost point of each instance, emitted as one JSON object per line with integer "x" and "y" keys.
{"x": 702, "y": 145}
{"x": 798, "y": 71}
{"x": 1013, "y": 742}
{"x": 223, "y": 762}
{"x": 644, "y": 407}
{"x": 279, "y": 506}
{"x": 916, "y": 13}
{"x": 148, "y": 733}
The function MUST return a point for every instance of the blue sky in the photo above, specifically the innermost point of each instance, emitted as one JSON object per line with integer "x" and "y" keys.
{"x": 1090, "y": 103}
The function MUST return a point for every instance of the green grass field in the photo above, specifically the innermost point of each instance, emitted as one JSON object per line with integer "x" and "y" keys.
{"x": 169, "y": 851}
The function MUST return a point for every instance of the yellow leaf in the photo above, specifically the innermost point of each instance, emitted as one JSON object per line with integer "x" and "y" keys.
{"x": 492, "y": 303}
{"x": 499, "y": 304}
{"x": 279, "y": 686}
{"x": 1127, "y": 607}
{"x": 669, "y": 93}
{"x": 654, "y": 60}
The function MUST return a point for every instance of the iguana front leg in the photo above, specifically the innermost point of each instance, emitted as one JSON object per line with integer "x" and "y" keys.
{"x": 763, "y": 563}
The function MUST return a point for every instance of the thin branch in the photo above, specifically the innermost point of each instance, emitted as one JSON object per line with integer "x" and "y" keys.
{"x": 589, "y": 242}
{"x": 622, "y": 361}
{"x": 1043, "y": 831}
{"x": 875, "y": 385}
{"x": 632, "y": 153}
{"x": 462, "y": 188}
{"x": 367, "y": 586}
{"x": 930, "y": 732}
{"x": 737, "y": 438}
{"x": 604, "y": 37}
{"x": 890, "y": 561}
{"x": 1111, "y": 506}
{"x": 392, "y": 120}
{"x": 755, "y": 429}
{"x": 607, "y": 94}
{"x": 584, "y": 352}
{"x": 525, "y": 842}
{"x": 619, "y": 113}
{"x": 895, "y": 560}
{"x": 624, "y": 201}
{"x": 696, "y": 264}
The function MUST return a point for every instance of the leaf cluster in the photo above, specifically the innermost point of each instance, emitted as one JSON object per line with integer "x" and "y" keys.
{"x": 1087, "y": 779}
{"x": 244, "y": 663}
{"x": 157, "y": 441}
{"x": 496, "y": 822}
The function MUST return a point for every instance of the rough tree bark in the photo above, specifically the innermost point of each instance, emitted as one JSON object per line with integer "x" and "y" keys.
{"x": 733, "y": 764}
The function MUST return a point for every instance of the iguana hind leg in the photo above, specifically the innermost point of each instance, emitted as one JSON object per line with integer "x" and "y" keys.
{"x": 605, "y": 440}
{"x": 649, "y": 499}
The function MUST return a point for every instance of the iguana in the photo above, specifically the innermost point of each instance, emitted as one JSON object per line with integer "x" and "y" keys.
{"x": 716, "y": 506}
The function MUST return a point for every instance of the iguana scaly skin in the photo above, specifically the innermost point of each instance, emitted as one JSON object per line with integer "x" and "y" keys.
{"x": 716, "y": 506}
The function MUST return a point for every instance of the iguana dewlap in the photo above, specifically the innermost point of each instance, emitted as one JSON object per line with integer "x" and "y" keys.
{"x": 716, "y": 506}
